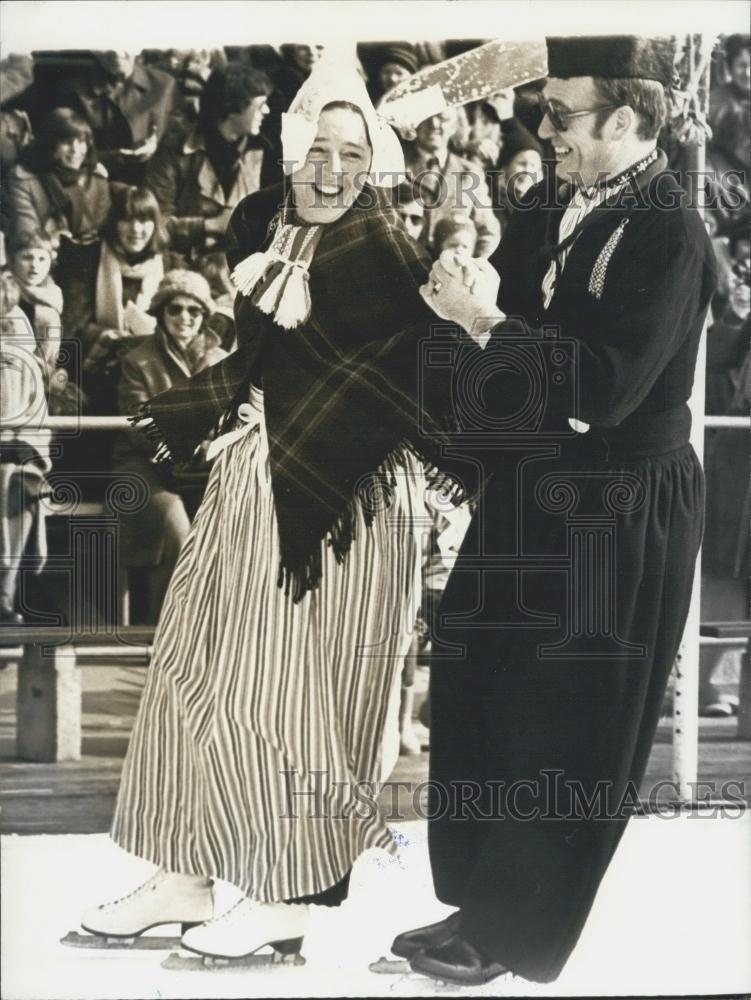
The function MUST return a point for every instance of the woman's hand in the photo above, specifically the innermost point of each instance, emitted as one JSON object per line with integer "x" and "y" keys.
{"x": 502, "y": 103}
{"x": 464, "y": 292}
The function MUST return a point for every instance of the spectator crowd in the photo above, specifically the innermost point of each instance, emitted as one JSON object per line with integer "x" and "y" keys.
{"x": 119, "y": 175}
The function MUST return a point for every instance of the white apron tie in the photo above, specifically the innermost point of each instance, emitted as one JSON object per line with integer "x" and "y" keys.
{"x": 250, "y": 416}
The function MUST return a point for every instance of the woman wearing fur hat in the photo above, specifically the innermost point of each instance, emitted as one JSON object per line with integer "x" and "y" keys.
{"x": 181, "y": 346}
{"x": 283, "y": 632}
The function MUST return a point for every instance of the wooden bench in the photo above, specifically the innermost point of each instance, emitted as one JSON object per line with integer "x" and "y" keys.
{"x": 49, "y": 690}
{"x": 742, "y": 632}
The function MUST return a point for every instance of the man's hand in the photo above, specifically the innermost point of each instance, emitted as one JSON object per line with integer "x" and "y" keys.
{"x": 217, "y": 225}
{"x": 464, "y": 292}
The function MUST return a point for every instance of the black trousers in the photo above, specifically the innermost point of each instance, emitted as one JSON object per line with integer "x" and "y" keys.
{"x": 542, "y": 718}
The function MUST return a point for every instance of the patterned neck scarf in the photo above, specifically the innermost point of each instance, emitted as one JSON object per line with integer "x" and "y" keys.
{"x": 584, "y": 201}
{"x": 277, "y": 280}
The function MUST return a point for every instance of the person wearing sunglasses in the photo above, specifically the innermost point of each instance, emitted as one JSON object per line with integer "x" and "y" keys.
{"x": 541, "y": 727}
{"x": 181, "y": 346}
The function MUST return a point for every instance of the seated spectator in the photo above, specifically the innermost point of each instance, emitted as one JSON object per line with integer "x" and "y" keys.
{"x": 485, "y": 137}
{"x": 730, "y": 113}
{"x": 725, "y": 550}
{"x": 458, "y": 235}
{"x": 298, "y": 60}
{"x": 520, "y": 168}
{"x": 58, "y": 186}
{"x": 152, "y": 537}
{"x": 192, "y": 74}
{"x": 24, "y": 450}
{"x": 15, "y": 133}
{"x": 129, "y": 107}
{"x": 199, "y": 180}
{"x": 30, "y": 256}
{"x": 394, "y": 64}
{"x": 30, "y": 260}
{"x": 410, "y": 211}
{"x": 16, "y": 74}
{"x": 106, "y": 303}
{"x": 449, "y": 184}
{"x": 214, "y": 269}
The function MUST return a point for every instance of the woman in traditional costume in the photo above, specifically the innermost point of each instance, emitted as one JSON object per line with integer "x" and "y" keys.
{"x": 290, "y": 610}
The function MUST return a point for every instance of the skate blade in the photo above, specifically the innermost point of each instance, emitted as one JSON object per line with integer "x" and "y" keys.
{"x": 143, "y": 943}
{"x": 415, "y": 980}
{"x": 177, "y": 962}
{"x": 391, "y": 966}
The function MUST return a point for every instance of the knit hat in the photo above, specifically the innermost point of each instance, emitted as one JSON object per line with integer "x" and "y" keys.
{"x": 516, "y": 139}
{"x": 401, "y": 53}
{"x": 182, "y": 282}
{"x": 612, "y": 57}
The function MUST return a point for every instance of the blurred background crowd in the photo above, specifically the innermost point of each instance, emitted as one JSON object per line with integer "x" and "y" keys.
{"x": 119, "y": 174}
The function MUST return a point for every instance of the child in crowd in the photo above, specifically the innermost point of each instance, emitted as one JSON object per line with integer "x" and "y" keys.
{"x": 30, "y": 257}
{"x": 24, "y": 449}
{"x": 457, "y": 234}
{"x": 410, "y": 210}
{"x": 446, "y": 526}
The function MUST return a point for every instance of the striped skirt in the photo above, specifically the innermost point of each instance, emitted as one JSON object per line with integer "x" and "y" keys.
{"x": 258, "y": 741}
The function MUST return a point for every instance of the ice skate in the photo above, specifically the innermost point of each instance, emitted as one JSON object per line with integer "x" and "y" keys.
{"x": 166, "y": 898}
{"x": 234, "y": 939}
{"x": 407, "y": 944}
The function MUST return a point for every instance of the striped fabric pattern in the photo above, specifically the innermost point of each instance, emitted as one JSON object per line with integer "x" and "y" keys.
{"x": 245, "y": 685}
{"x": 582, "y": 203}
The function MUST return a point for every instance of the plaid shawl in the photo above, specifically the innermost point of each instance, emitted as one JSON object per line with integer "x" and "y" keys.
{"x": 341, "y": 391}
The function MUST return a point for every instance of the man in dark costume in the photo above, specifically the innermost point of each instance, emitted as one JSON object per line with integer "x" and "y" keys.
{"x": 566, "y": 606}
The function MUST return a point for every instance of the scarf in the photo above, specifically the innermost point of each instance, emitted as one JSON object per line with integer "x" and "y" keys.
{"x": 192, "y": 358}
{"x": 109, "y": 311}
{"x": 342, "y": 391}
{"x": 582, "y": 202}
{"x": 71, "y": 197}
{"x": 277, "y": 280}
{"x": 47, "y": 295}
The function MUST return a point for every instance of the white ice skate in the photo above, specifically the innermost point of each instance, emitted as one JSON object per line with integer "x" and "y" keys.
{"x": 166, "y": 898}
{"x": 235, "y": 938}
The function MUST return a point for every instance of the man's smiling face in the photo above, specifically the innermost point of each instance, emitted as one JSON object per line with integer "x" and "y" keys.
{"x": 583, "y": 153}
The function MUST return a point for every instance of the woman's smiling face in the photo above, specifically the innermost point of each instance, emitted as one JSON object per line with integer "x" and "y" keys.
{"x": 336, "y": 167}
{"x": 71, "y": 152}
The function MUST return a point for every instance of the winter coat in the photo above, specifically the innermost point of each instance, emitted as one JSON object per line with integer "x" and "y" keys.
{"x": 188, "y": 190}
{"x": 30, "y": 207}
{"x": 147, "y": 369}
{"x": 457, "y": 190}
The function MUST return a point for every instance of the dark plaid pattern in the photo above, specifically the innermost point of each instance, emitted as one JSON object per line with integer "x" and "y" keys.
{"x": 341, "y": 390}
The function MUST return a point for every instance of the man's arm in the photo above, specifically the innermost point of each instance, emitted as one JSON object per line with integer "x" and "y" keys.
{"x": 655, "y": 289}
{"x": 163, "y": 177}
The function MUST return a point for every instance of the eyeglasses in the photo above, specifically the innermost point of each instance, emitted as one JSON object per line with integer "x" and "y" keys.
{"x": 559, "y": 118}
{"x": 174, "y": 310}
